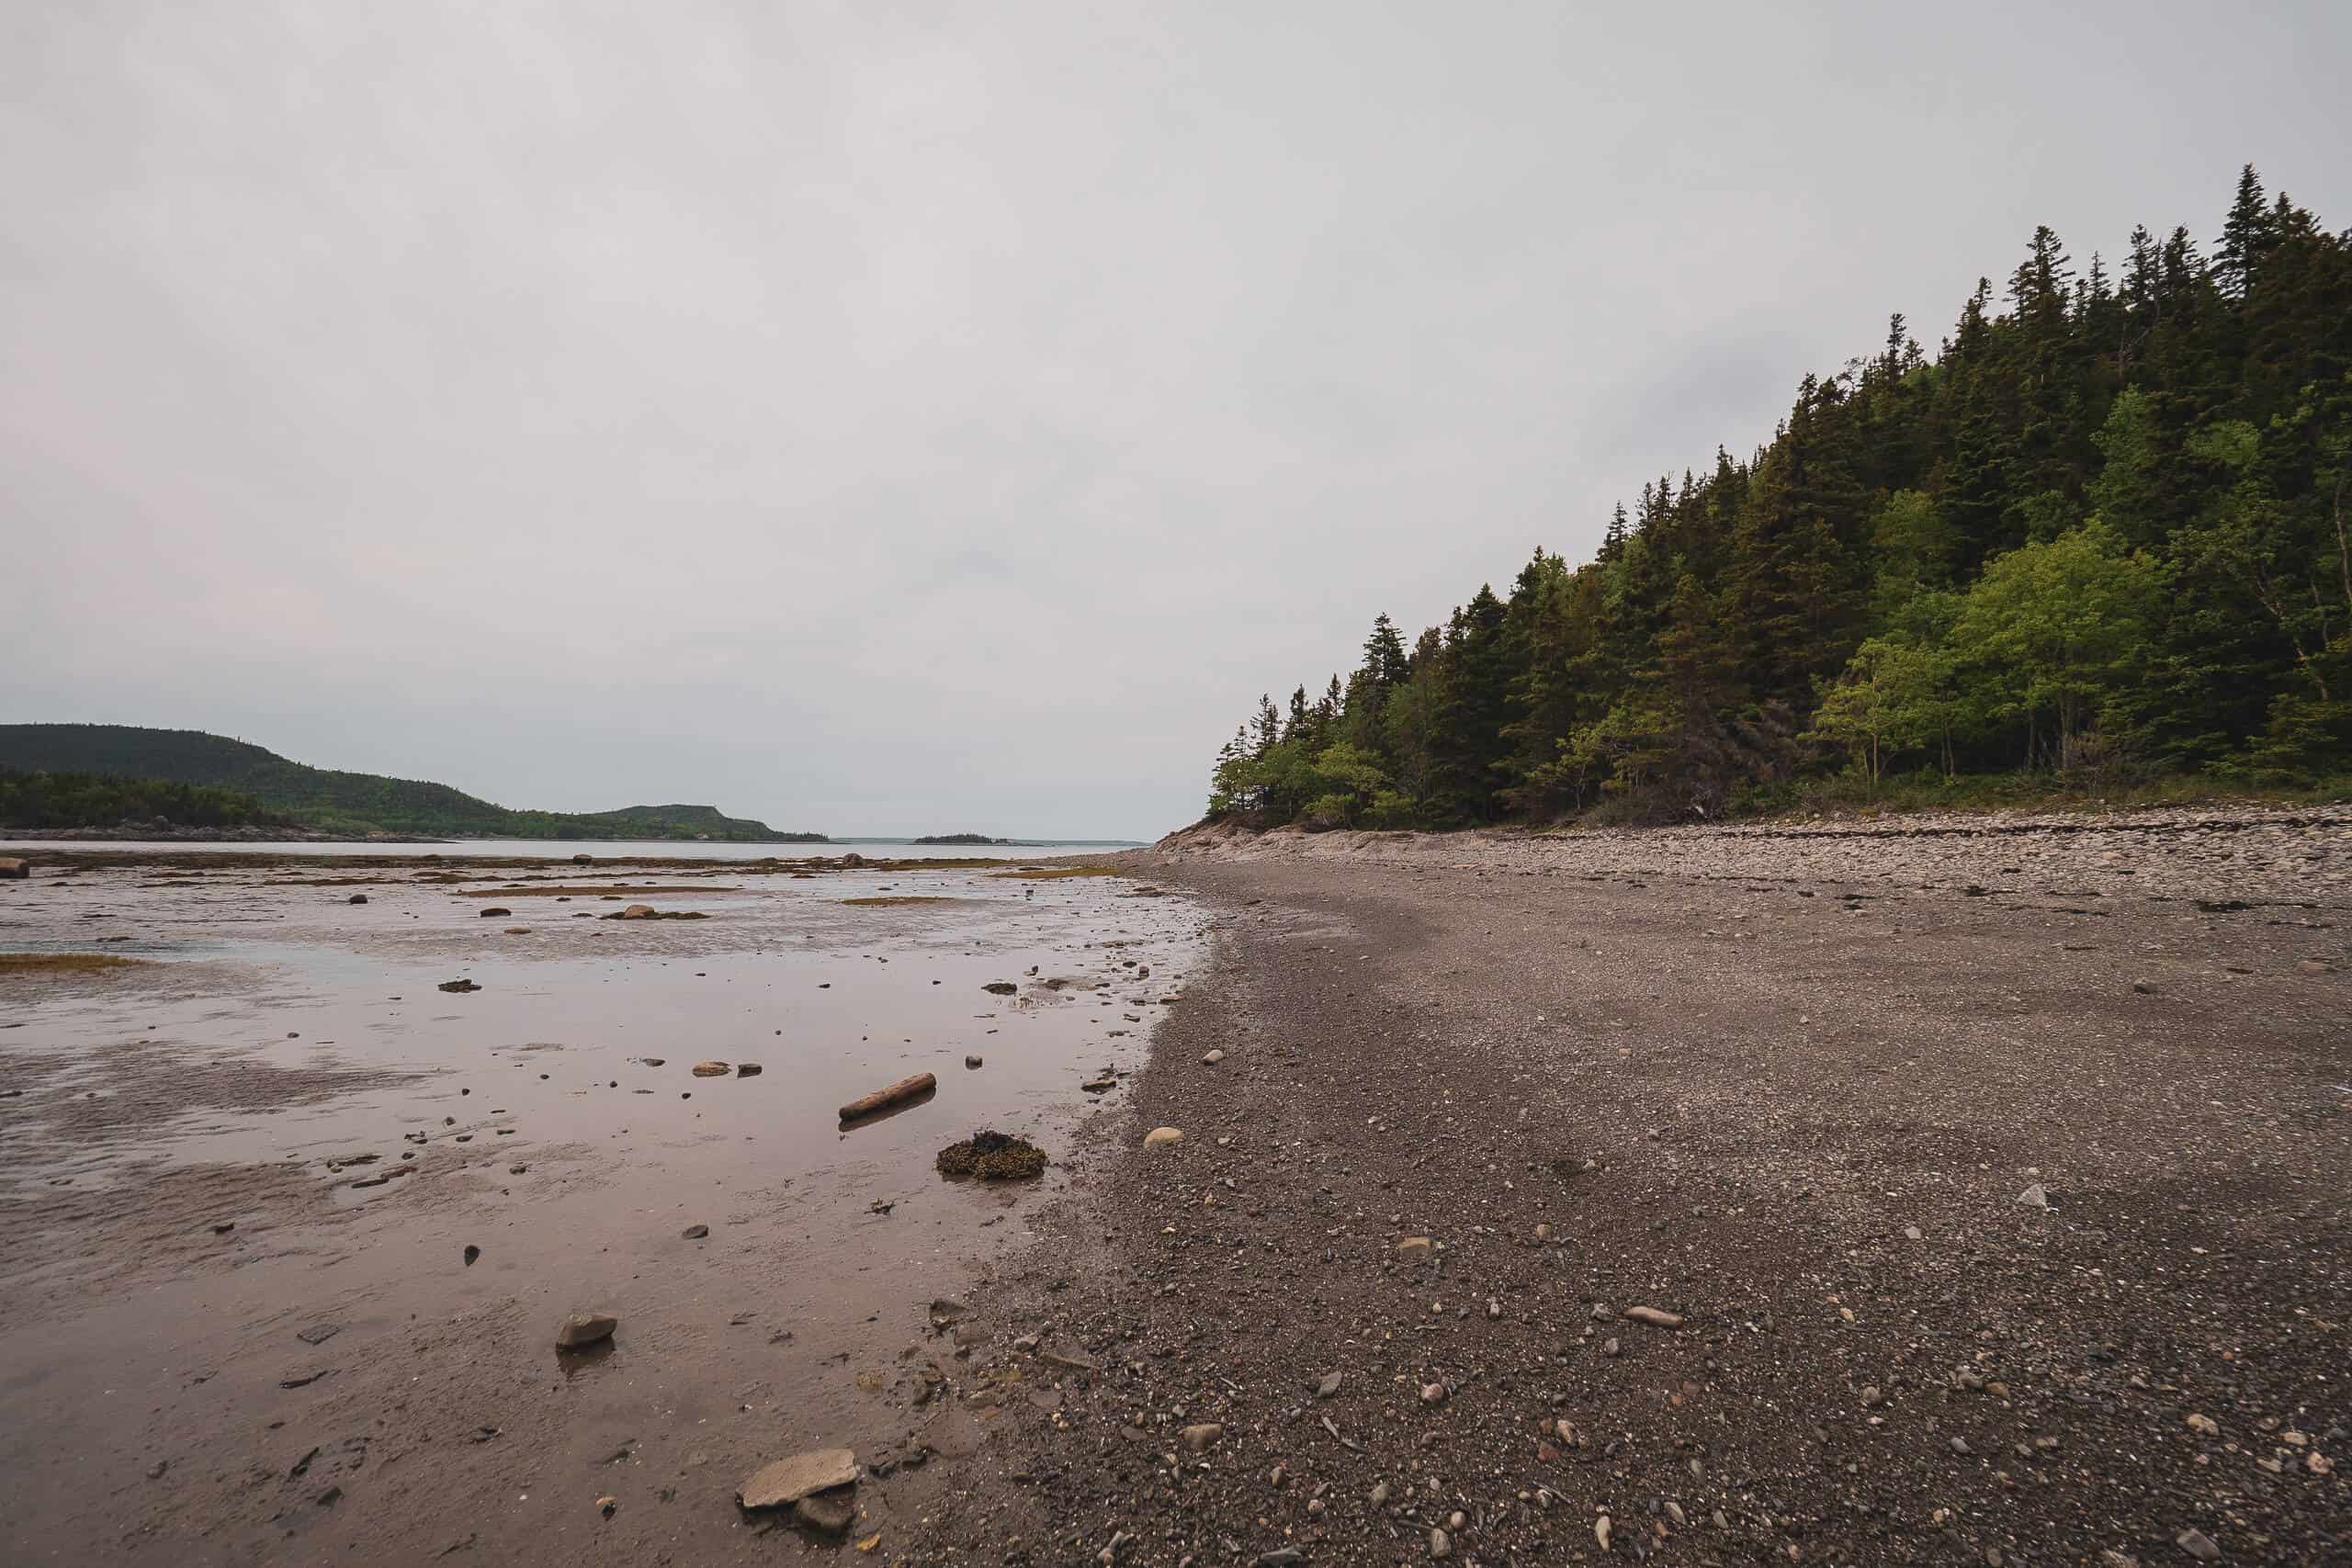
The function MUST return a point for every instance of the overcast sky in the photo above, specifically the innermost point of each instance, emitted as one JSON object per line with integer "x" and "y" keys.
{"x": 900, "y": 418}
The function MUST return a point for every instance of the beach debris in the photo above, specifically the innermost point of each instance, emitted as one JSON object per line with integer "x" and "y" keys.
{"x": 1414, "y": 1246}
{"x": 459, "y": 985}
{"x": 971, "y": 1061}
{"x": 2035, "y": 1197}
{"x": 992, "y": 1157}
{"x": 1001, "y": 988}
{"x": 497, "y": 911}
{"x": 15, "y": 868}
{"x": 607, "y": 1504}
{"x": 883, "y": 1099}
{"x": 319, "y": 1333}
{"x": 1103, "y": 1085}
{"x": 357, "y": 899}
{"x": 1163, "y": 1137}
{"x": 1199, "y": 1439}
{"x": 790, "y": 1480}
{"x": 695, "y": 1233}
{"x": 712, "y": 1069}
{"x": 748, "y": 1069}
{"x": 1655, "y": 1316}
{"x": 584, "y": 1328}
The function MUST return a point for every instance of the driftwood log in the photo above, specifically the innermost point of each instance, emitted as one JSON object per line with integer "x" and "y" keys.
{"x": 883, "y": 1099}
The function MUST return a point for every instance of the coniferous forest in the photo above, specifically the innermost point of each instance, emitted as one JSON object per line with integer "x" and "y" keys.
{"x": 2096, "y": 541}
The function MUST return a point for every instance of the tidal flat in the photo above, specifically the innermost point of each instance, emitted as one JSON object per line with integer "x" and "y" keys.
{"x": 287, "y": 1226}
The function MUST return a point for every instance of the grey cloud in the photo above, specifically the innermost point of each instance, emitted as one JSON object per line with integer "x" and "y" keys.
{"x": 910, "y": 417}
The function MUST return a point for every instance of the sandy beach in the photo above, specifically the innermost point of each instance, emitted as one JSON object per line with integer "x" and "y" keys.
{"x": 1866, "y": 1197}
{"x": 1863, "y": 1195}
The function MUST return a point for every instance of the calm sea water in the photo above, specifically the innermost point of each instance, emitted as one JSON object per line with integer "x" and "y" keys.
{"x": 613, "y": 848}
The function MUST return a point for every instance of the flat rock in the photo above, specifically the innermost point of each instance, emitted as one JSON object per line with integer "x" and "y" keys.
{"x": 1198, "y": 1438}
{"x": 2034, "y": 1197}
{"x": 1161, "y": 1137}
{"x": 789, "y": 1479}
{"x": 712, "y": 1069}
{"x": 585, "y": 1329}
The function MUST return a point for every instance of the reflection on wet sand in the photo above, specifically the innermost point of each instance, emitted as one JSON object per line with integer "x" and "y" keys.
{"x": 280, "y": 1122}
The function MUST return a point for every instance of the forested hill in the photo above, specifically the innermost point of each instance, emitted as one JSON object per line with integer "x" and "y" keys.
{"x": 356, "y": 802}
{"x": 2097, "y": 537}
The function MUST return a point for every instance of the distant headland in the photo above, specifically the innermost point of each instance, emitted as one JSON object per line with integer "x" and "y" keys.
{"x": 117, "y": 781}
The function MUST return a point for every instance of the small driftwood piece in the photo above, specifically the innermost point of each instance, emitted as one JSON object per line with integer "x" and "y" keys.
{"x": 883, "y": 1099}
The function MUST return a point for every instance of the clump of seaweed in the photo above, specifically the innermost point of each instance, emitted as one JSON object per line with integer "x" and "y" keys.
{"x": 1058, "y": 873}
{"x": 61, "y": 963}
{"x": 993, "y": 1156}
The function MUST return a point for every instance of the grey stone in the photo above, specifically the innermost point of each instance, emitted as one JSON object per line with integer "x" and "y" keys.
{"x": 830, "y": 1513}
{"x": 585, "y": 1329}
{"x": 790, "y": 1480}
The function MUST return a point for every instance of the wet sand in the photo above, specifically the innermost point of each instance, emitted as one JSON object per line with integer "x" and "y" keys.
{"x": 329, "y": 1377}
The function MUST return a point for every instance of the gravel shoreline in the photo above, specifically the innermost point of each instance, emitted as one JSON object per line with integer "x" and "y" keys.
{"x": 1799, "y": 1091}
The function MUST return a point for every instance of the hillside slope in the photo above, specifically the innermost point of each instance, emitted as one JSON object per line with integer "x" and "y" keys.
{"x": 345, "y": 801}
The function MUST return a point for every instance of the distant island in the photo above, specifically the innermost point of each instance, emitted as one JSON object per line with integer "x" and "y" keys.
{"x": 115, "y": 777}
{"x": 961, "y": 838}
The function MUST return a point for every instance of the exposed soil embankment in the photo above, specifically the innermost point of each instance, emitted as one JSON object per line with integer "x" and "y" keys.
{"x": 1983, "y": 1198}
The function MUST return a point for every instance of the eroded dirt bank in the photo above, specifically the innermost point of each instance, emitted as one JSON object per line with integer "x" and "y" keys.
{"x": 1810, "y": 1101}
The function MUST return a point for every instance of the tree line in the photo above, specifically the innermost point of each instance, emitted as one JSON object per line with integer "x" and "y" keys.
{"x": 2099, "y": 538}
{"x": 92, "y": 800}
